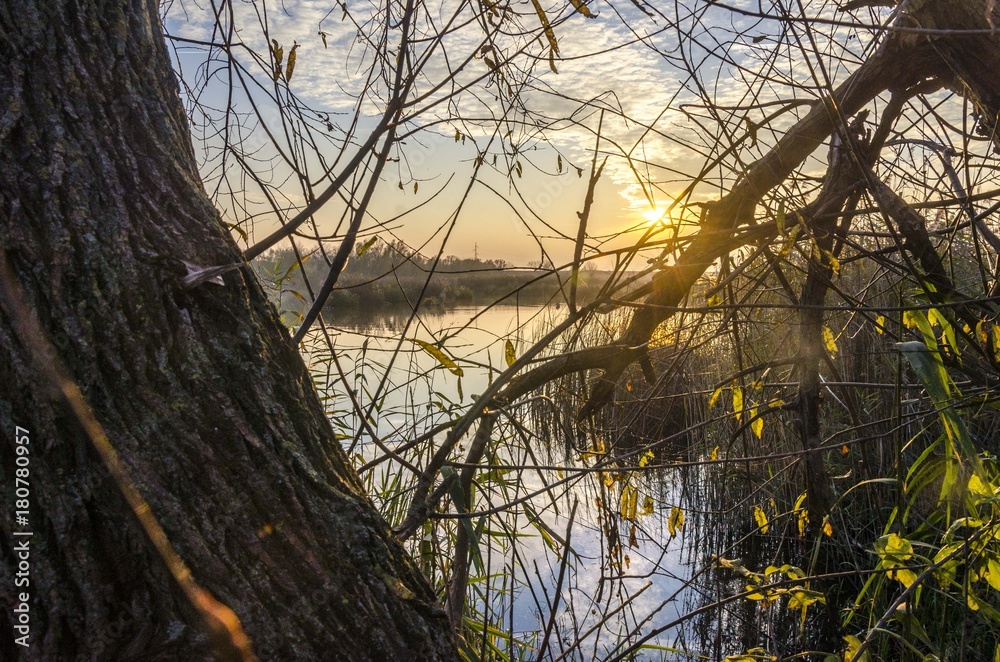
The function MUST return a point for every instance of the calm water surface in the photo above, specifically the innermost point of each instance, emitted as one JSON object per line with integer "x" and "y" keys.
{"x": 407, "y": 391}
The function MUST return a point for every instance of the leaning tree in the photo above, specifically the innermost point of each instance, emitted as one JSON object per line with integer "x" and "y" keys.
{"x": 140, "y": 393}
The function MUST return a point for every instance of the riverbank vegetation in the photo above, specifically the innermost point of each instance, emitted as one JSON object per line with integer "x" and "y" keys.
{"x": 386, "y": 276}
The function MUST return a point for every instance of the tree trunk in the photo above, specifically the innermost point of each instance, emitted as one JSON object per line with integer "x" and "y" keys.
{"x": 201, "y": 392}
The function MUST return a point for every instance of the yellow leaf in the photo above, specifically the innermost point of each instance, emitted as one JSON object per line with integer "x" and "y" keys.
{"x": 441, "y": 357}
{"x": 546, "y": 26}
{"x": 582, "y": 8}
{"x": 905, "y": 576}
{"x": 993, "y": 574}
{"x": 761, "y": 517}
{"x": 363, "y": 248}
{"x": 880, "y": 324}
{"x": 646, "y": 458}
{"x": 972, "y": 602}
{"x": 715, "y": 397}
{"x": 290, "y": 67}
{"x": 629, "y": 502}
{"x": 894, "y": 548}
{"x": 978, "y": 488}
{"x": 832, "y": 260}
{"x": 508, "y": 353}
{"x": 279, "y": 53}
{"x": 830, "y": 341}
{"x": 714, "y": 455}
{"x": 827, "y": 528}
{"x": 803, "y": 522}
{"x": 981, "y": 331}
{"x": 676, "y": 521}
{"x": 996, "y": 341}
{"x": 757, "y": 424}
{"x": 647, "y": 506}
{"x": 801, "y": 598}
{"x": 738, "y": 403}
{"x": 853, "y": 644}
{"x": 835, "y": 265}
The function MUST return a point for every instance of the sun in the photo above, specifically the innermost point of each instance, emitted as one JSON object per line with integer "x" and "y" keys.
{"x": 655, "y": 215}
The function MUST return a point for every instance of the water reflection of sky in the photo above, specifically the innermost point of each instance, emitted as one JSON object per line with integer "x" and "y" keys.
{"x": 377, "y": 348}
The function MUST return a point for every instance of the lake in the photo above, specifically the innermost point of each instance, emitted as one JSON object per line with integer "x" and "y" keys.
{"x": 627, "y": 574}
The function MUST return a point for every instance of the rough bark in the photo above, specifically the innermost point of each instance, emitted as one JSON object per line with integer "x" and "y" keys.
{"x": 200, "y": 391}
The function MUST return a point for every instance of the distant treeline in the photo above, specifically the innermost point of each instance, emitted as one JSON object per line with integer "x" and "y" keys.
{"x": 381, "y": 274}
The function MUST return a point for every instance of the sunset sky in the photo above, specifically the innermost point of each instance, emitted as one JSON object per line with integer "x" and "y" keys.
{"x": 632, "y": 65}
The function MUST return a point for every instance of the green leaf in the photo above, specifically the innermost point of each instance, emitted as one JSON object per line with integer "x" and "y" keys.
{"x": 916, "y": 319}
{"x": 236, "y": 228}
{"x": 945, "y": 573}
{"x": 959, "y": 450}
{"x": 461, "y": 501}
{"x": 441, "y": 357}
{"x": 853, "y": 644}
{"x": 935, "y": 316}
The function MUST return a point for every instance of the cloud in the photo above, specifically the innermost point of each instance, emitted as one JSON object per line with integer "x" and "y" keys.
{"x": 670, "y": 87}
